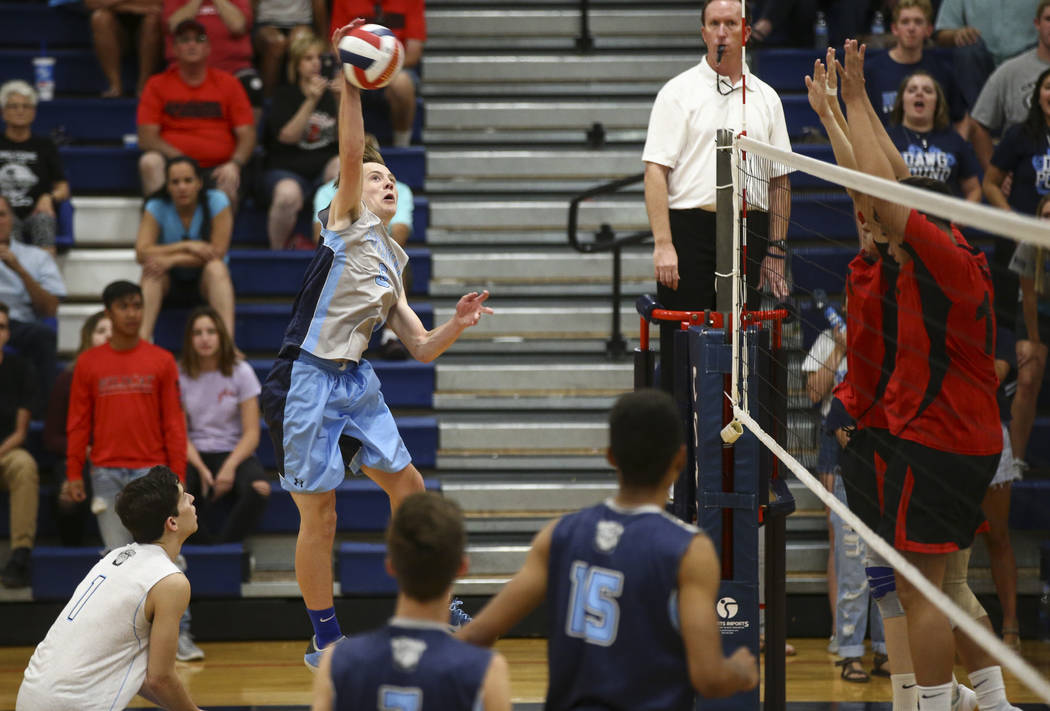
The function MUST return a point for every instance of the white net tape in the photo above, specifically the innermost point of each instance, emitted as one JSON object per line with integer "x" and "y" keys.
{"x": 989, "y": 219}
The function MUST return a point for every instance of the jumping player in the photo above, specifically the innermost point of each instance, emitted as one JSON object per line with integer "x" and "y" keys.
{"x": 117, "y": 635}
{"x": 939, "y": 405}
{"x": 630, "y": 590}
{"x": 413, "y": 662}
{"x": 321, "y": 399}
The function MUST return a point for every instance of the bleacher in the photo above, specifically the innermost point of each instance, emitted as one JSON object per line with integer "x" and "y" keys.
{"x": 504, "y": 149}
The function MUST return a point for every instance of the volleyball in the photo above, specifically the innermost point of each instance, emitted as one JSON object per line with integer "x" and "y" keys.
{"x": 371, "y": 56}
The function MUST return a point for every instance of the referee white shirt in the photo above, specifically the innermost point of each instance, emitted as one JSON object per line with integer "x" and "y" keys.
{"x": 686, "y": 116}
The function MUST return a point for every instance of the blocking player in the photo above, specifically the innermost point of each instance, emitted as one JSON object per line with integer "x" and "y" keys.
{"x": 939, "y": 405}
{"x": 321, "y": 399}
{"x": 117, "y": 635}
{"x": 630, "y": 590}
{"x": 413, "y": 662}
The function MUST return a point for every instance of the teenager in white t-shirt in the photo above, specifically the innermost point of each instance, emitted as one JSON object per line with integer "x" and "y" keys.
{"x": 117, "y": 635}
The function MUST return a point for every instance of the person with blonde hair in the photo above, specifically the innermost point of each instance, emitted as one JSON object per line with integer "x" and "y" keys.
{"x": 302, "y": 149}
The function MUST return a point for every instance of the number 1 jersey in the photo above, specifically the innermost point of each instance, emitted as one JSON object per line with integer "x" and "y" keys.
{"x": 612, "y": 600}
{"x": 95, "y": 654}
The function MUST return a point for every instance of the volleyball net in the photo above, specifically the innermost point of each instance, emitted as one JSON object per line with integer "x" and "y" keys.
{"x": 824, "y": 238}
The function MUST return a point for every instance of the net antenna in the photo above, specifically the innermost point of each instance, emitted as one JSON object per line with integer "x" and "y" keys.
{"x": 992, "y": 220}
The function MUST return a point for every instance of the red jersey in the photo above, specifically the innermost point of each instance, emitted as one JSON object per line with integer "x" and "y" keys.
{"x": 871, "y": 316}
{"x": 405, "y": 18}
{"x": 125, "y": 404}
{"x": 942, "y": 392}
{"x": 229, "y": 52}
{"x": 198, "y": 120}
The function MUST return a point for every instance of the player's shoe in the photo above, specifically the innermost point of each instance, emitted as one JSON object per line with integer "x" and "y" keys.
{"x": 312, "y": 657}
{"x": 188, "y": 651}
{"x": 963, "y": 698}
{"x": 456, "y": 616}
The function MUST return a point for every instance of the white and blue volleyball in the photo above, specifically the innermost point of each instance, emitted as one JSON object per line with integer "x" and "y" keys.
{"x": 371, "y": 56}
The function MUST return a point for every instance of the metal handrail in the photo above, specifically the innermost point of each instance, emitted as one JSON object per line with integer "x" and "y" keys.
{"x": 607, "y": 241}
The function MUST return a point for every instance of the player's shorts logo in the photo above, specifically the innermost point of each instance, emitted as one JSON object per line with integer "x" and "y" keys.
{"x": 727, "y": 608}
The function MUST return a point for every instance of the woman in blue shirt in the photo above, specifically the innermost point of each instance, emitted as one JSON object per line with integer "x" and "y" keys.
{"x": 182, "y": 242}
{"x": 921, "y": 129}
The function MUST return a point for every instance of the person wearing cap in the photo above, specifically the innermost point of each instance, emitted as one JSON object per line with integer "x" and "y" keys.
{"x": 196, "y": 110}
{"x": 228, "y": 24}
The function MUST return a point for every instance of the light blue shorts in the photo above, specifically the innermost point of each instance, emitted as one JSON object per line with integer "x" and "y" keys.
{"x": 325, "y": 419}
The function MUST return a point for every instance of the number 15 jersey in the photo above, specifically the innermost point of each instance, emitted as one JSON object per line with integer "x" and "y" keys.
{"x": 612, "y": 598}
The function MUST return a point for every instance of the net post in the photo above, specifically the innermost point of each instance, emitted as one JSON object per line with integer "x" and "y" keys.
{"x": 724, "y": 223}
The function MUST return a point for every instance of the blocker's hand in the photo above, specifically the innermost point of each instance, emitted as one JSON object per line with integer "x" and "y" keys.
{"x": 853, "y": 73}
{"x": 470, "y": 308}
{"x": 815, "y": 89}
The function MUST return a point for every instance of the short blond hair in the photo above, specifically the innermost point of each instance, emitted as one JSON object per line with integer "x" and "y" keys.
{"x": 923, "y": 5}
{"x": 298, "y": 48}
{"x": 17, "y": 86}
{"x": 371, "y": 152}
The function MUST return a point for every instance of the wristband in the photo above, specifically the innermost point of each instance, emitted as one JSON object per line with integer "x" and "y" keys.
{"x": 776, "y": 256}
{"x": 778, "y": 243}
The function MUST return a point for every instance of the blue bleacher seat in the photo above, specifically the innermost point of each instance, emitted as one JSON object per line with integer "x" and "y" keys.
{"x": 76, "y": 70}
{"x": 87, "y": 119}
{"x": 823, "y": 217}
{"x": 362, "y": 569}
{"x": 266, "y": 273}
{"x": 121, "y": 175}
{"x": 360, "y": 506}
{"x": 1030, "y": 498}
{"x": 259, "y": 327}
{"x": 64, "y": 237}
{"x": 214, "y": 571}
{"x": 24, "y": 24}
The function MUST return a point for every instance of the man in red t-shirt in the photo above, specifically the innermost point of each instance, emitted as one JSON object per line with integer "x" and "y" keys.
{"x": 124, "y": 403}
{"x": 228, "y": 24}
{"x": 407, "y": 21}
{"x": 195, "y": 110}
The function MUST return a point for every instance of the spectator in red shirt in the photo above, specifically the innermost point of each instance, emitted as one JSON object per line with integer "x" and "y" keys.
{"x": 228, "y": 24}
{"x": 114, "y": 24}
{"x": 195, "y": 110}
{"x": 406, "y": 19}
{"x": 124, "y": 402}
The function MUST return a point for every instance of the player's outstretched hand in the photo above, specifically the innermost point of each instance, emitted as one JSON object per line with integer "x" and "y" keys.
{"x": 744, "y": 665}
{"x": 341, "y": 32}
{"x": 470, "y": 308}
{"x": 817, "y": 91}
{"x": 852, "y": 75}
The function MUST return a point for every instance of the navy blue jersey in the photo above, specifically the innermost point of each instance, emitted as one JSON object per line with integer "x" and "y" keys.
{"x": 408, "y": 665}
{"x": 612, "y": 602}
{"x": 883, "y": 76}
{"x": 941, "y": 155}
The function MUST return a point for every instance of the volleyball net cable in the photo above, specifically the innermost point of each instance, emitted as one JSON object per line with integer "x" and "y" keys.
{"x": 754, "y": 162}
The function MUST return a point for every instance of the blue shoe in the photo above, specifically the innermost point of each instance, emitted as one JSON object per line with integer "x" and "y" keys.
{"x": 456, "y": 616}
{"x": 312, "y": 658}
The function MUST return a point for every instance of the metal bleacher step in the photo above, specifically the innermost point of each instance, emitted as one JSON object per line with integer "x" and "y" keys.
{"x": 582, "y": 385}
{"x": 508, "y": 68}
{"x": 517, "y": 320}
{"x": 493, "y": 494}
{"x": 524, "y": 433}
{"x": 494, "y": 116}
{"x": 536, "y": 214}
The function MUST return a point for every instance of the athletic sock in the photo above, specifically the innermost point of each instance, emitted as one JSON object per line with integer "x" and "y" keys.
{"x": 326, "y": 626}
{"x": 402, "y": 138}
{"x": 991, "y": 691}
{"x": 935, "y": 698}
{"x": 905, "y": 692}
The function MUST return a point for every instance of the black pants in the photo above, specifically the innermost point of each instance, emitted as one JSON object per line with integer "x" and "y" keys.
{"x": 236, "y": 514}
{"x": 693, "y": 237}
{"x": 38, "y": 344}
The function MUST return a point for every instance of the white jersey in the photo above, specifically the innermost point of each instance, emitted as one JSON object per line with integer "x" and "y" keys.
{"x": 95, "y": 654}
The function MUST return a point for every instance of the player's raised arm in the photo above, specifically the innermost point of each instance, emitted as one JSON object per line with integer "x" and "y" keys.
{"x": 168, "y": 600}
{"x": 519, "y": 597}
{"x": 347, "y": 200}
{"x": 426, "y": 345}
{"x": 712, "y": 674}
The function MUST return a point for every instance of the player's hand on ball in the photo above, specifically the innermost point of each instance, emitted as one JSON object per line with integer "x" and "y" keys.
{"x": 343, "y": 31}
{"x": 470, "y": 308}
{"x": 743, "y": 663}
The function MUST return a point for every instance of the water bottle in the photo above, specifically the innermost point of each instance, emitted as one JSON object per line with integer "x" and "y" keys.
{"x": 44, "y": 74}
{"x": 820, "y": 31}
{"x": 878, "y": 24}
{"x": 830, "y": 312}
{"x": 1044, "y": 614}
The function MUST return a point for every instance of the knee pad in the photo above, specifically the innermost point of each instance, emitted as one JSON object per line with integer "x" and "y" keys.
{"x": 883, "y": 584}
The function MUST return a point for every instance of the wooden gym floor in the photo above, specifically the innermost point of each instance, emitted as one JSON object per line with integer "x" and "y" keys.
{"x": 271, "y": 676}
